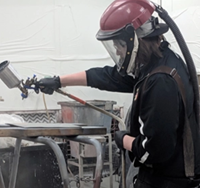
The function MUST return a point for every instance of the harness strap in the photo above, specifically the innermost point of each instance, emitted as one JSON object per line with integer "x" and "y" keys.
{"x": 188, "y": 147}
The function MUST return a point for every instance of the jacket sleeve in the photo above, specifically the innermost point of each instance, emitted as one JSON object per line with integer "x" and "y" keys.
{"x": 108, "y": 78}
{"x": 158, "y": 119}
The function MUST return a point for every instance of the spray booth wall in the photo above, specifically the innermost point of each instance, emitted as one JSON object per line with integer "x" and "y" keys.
{"x": 56, "y": 37}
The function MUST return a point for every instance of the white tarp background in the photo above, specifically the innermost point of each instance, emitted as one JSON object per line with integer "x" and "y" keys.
{"x": 56, "y": 37}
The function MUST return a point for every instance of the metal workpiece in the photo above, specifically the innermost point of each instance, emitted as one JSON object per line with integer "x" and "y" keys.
{"x": 99, "y": 151}
{"x": 24, "y": 130}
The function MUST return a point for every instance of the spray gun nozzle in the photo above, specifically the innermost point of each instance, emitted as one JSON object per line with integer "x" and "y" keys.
{"x": 24, "y": 91}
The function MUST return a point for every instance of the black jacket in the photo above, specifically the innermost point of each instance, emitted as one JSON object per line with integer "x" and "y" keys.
{"x": 157, "y": 115}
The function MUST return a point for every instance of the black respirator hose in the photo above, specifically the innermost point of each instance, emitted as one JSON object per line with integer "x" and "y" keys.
{"x": 186, "y": 53}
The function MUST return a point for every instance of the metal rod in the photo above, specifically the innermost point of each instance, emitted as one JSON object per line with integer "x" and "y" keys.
{"x": 123, "y": 158}
{"x": 15, "y": 163}
{"x": 2, "y": 185}
{"x": 110, "y": 160}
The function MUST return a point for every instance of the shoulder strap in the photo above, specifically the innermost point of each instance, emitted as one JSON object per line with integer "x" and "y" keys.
{"x": 188, "y": 147}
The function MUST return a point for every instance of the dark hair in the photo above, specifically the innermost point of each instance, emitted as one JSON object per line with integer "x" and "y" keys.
{"x": 149, "y": 47}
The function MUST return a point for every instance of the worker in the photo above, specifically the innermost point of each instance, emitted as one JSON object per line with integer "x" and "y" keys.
{"x": 155, "y": 137}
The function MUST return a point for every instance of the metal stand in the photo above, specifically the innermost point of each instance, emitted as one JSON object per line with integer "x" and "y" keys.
{"x": 69, "y": 131}
{"x": 83, "y": 153}
{"x": 99, "y": 162}
{"x": 60, "y": 158}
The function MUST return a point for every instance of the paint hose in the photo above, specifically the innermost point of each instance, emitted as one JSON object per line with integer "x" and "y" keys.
{"x": 186, "y": 54}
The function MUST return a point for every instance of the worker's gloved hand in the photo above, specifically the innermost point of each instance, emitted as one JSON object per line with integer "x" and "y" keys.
{"x": 119, "y": 135}
{"x": 49, "y": 85}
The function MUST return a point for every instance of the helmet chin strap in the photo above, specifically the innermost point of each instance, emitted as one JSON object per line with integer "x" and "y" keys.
{"x": 132, "y": 63}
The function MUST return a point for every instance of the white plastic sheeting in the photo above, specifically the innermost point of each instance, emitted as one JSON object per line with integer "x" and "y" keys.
{"x": 188, "y": 21}
{"x": 7, "y": 142}
{"x": 56, "y": 37}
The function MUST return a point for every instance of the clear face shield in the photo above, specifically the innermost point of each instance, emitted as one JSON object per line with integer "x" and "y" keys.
{"x": 123, "y": 54}
{"x": 117, "y": 49}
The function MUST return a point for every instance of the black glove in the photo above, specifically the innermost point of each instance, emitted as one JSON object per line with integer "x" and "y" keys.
{"x": 49, "y": 85}
{"x": 119, "y": 135}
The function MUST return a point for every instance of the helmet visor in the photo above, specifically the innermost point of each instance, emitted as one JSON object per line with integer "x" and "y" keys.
{"x": 117, "y": 49}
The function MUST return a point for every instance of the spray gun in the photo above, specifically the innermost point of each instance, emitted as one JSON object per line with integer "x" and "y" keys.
{"x": 12, "y": 79}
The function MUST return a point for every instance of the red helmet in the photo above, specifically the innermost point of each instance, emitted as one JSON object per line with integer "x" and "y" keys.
{"x": 121, "y": 13}
{"x": 118, "y": 31}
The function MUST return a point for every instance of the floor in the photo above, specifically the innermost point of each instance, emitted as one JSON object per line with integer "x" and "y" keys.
{"x": 104, "y": 184}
